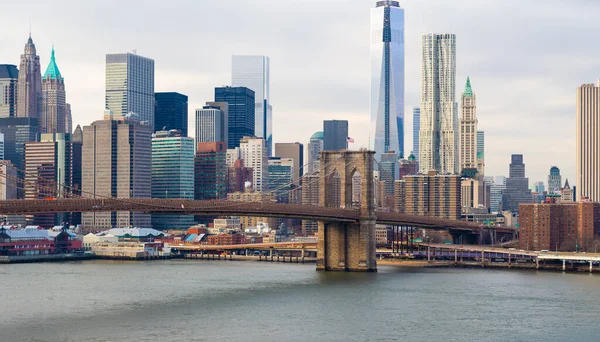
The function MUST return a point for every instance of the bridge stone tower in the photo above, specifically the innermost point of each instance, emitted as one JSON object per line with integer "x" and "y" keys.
{"x": 347, "y": 246}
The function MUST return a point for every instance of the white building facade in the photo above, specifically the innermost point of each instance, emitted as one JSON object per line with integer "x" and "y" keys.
{"x": 253, "y": 151}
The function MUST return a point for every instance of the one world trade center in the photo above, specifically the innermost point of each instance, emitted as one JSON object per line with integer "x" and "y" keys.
{"x": 387, "y": 78}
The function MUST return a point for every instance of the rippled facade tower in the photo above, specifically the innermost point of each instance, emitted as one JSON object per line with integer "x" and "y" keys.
{"x": 387, "y": 78}
{"x": 54, "y": 104}
{"x": 29, "y": 94}
{"x": 438, "y": 138}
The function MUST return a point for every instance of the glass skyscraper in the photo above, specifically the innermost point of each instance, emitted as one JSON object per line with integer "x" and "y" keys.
{"x": 387, "y": 78}
{"x": 254, "y": 72}
{"x": 171, "y": 112}
{"x": 281, "y": 178}
{"x": 130, "y": 86}
{"x": 416, "y": 129}
{"x": 335, "y": 135}
{"x": 172, "y": 175}
{"x": 240, "y": 113}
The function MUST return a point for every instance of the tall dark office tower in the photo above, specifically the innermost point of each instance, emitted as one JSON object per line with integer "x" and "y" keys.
{"x": 517, "y": 186}
{"x": 9, "y": 76}
{"x": 17, "y": 132}
{"x": 29, "y": 95}
{"x": 210, "y": 171}
{"x": 240, "y": 113}
{"x": 335, "y": 135}
{"x": 171, "y": 112}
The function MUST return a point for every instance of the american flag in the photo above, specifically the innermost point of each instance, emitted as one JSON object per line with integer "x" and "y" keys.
{"x": 350, "y": 140}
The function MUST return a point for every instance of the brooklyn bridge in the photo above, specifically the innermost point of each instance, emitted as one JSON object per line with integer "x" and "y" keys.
{"x": 346, "y": 235}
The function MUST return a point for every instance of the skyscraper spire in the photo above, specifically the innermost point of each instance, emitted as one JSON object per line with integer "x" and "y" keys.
{"x": 52, "y": 70}
{"x": 29, "y": 86}
{"x": 468, "y": 91}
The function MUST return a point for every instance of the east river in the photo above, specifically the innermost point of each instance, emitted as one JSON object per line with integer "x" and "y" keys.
{"x": 182, "y": 300}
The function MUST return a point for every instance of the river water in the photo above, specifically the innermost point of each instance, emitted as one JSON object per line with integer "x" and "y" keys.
{"x": 188, "y": 300}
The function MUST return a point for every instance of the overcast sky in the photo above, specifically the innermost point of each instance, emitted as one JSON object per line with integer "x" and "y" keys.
{"x": 525, "y": 60}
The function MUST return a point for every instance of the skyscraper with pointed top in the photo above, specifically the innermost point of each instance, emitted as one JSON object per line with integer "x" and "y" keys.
{"x": 54, "y": 104}
{"x": 468, "y": 129}
{"x": 387, "y": 78}
{"x": 29, "y": 94}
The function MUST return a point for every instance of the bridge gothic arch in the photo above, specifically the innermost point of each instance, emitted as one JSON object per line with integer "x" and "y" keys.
{"x": 347, "y": 246}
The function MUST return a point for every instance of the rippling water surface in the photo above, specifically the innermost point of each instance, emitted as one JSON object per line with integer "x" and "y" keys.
{"x": 179, "y": 300}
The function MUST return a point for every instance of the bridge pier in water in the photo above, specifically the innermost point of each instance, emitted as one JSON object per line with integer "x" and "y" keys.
{"x": 347, "y": 246}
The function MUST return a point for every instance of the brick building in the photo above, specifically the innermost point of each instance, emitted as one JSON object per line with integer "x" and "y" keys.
{"x": 429, "y": 195}
{"x": 559, "y": 226}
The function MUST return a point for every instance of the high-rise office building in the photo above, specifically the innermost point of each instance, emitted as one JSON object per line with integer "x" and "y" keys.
{"x": 29, "y": 94}
{"x": 9, "y": 76}
{"x": 253, "y": 72}
{"x": 68, "y": 119}
{"x": 481, "y": 152}
{"x": 171, "y": 112}
{"x": 49, "y": 174}
{"x": 281, "y": 171}
{"x": 554, "y": 180}
{"x": 253, "y": 152}
{"x": 116, "y": 163}
{"x": 335, "y": 135}
{"x": 468, "y": 129}
{"x": 416, "y": 130}
{"x": 539, "y": 187}
{"x": 8, "y": 186}
{"x": 54, "y": 100}
{"x": 387, "y": 78}
{"x": 310, "y": 196}
{"x": 315, "y": 146}
{"x": 438, "y": 138}
{"x": 294, "y": 151}
{"x": 211, "y": 124}
{"x": 588, "y": 146}
{"x": 210, "y": 170}
{"x": 17, "y": 132}
{"x": 172, "y": 175}
{"x": 498, "y": 184}
{"x": 130, "y": 86}
{"x": 517, "y": 185}
{"x": 240, "y": 113}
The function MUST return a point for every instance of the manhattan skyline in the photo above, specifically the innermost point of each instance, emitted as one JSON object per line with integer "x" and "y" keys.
{"x": 525, "y": 86}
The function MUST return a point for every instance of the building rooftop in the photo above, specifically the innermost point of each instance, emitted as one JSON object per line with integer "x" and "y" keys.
{"x": 468, "y": 90}
{"x": 9, "y": 71}
{"x": 52, "y": 70}
{"x": 133, "y": 232}
{"x": 317, "y": 135}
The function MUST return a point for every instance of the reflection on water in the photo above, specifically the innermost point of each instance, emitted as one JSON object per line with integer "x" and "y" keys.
{"x": 180, "y": 300}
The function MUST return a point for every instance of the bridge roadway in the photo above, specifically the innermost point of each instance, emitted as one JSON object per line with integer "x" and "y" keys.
{"x": 230, "y": 208}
